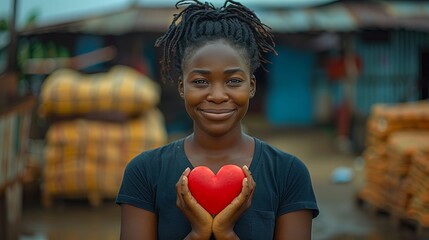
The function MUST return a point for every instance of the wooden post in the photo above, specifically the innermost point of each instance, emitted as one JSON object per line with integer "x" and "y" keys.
{"x": 9, "y": 79}
{"x": 11, "y": 159}
{"x": 12, "y": 49}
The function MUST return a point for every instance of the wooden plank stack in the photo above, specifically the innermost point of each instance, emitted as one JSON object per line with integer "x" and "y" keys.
{"x": 418, "y": 183}
{"x": 402, "y": 148}
{"x": 397, "y": 135}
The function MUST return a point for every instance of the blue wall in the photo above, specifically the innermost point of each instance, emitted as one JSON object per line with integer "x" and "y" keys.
{"x": 390, "y": 69}
{"x": 289, "y": 93}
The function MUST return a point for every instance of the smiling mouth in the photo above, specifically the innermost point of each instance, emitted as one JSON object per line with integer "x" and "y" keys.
{"x": 217, "y": 114}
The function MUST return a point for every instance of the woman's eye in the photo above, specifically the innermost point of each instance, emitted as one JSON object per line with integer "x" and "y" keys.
{"x": 234, "y": 81}
{"x": 200, "y": 81}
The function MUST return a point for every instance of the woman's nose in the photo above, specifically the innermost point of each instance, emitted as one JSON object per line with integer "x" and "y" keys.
{"x": 217, "y": 94}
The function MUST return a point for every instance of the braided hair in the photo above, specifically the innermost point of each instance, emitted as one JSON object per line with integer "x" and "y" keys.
{"x": 200, "y": 23}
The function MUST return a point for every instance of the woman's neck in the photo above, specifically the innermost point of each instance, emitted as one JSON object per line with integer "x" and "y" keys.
{"x": 232, "y": 139}
{"x": 233, "y": 148}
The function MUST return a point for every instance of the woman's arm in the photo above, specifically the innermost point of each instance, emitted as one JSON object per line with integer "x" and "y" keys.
{"x": 294, "y": 226}
{"x": 137, "y": 223}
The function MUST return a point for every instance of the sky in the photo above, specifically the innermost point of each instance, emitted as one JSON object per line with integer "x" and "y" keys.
{"x": 56, "y": 11}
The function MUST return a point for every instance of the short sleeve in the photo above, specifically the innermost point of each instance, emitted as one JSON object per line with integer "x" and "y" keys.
{"x": 298, "y": 193}
{"x": 136, "y": 188}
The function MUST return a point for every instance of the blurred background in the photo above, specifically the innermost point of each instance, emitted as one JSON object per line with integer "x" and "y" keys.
{"x": 81, "y": 94}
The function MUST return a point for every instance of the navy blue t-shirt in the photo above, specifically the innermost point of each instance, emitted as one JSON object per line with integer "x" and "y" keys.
{"x": 283, "y": 185}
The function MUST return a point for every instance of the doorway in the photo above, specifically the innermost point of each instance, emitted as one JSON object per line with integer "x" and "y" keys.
{"x": 424, "y": 74}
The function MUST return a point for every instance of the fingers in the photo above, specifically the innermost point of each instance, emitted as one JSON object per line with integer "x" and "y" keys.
{"x": 198, "y": 217}
{"x": 250, "y": 182}
{"x": 179, "y": 183}
{"x": 246, "y": 170}
{"x": 248, "y": 187}
{"x": 182, "y": 186}
{"x": 246, "y": 191}
{"x": 186, "y": 172}
{"x": 184, "y": 182}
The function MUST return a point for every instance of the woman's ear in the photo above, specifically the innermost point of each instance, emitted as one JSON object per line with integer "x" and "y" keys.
{"x": 252, "y": 86}
{"x": 180, "y": 87}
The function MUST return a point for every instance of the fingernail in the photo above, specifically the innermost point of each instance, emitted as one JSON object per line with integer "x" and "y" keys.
{"x": 245, "y": 181}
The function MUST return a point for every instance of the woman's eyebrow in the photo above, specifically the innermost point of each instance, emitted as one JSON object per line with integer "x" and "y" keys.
{"x": 227, "y": 71}
{"x": 233, "y": 70}
{"x": 201, "y": 71}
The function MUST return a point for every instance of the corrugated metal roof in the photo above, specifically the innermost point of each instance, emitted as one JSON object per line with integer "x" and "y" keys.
{"x": 349, "y": 16}
{"x": 329, "y": 18}
{"x": 336, "y": 17}
{"x": 134, "y": 19}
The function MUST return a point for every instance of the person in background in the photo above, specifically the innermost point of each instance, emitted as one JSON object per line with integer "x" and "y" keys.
{"x": 212, "y": 53}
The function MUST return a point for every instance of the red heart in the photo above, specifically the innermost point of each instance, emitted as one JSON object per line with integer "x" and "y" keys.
{"x": 215, "y": 192}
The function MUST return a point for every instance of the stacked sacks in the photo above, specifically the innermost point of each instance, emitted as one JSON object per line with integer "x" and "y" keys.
{"x": 100, "y": 122}
{"x": 122, "y": 91}
{"x": 418, "y": 184}
{"x": 401, "y": 150}
{"x": 382, "y": 123}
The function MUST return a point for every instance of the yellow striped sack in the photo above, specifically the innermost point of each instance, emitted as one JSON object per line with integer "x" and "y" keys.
{"x": 123, "y": 90}
{"x": 87, "y": 155}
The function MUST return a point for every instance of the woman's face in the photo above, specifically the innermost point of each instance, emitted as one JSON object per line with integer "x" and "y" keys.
{"x": 216, "y": 85}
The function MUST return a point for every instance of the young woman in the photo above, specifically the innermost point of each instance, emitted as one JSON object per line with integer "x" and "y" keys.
{"x": 212, "y": 53}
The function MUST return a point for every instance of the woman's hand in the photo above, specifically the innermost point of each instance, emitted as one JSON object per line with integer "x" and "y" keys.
{"x": 224, "y": 222}
{"x": 201, "y": 220}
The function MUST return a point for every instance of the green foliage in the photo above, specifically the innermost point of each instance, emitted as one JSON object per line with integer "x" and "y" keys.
{"x": 3, "y": 24}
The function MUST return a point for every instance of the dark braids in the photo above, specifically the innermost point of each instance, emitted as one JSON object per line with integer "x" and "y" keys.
{"x": 201, "y": 22}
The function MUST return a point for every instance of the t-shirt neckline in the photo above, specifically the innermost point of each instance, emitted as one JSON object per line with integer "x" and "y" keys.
{"x": 180, "y": 152}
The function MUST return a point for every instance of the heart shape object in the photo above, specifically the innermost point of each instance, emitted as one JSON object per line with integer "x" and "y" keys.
{"x": 215, "y": 192}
